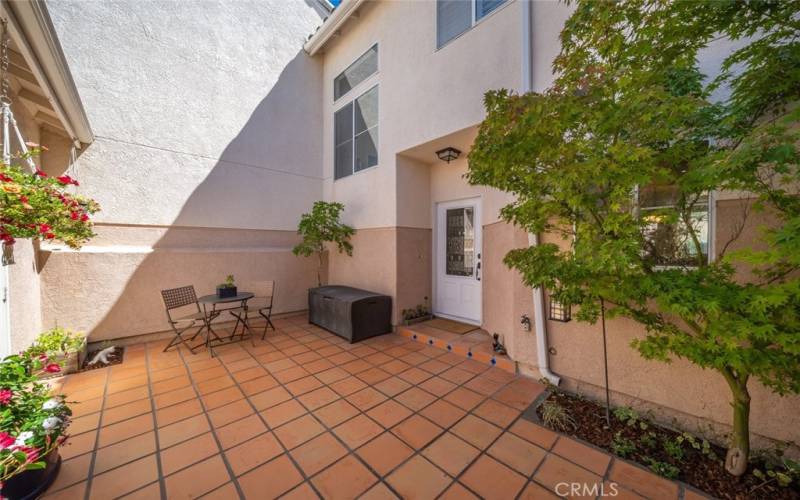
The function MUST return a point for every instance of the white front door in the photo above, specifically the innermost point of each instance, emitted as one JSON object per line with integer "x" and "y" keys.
{"x": 458, "y": 260}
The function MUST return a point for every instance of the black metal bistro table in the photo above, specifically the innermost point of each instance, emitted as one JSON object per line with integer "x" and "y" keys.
{"x": 213, "y": 306}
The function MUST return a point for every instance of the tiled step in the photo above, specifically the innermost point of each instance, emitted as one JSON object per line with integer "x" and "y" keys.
{"x": 445, "y": 341}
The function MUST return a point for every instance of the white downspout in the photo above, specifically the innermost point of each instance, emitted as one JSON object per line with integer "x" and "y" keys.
{"x": 542, "y": 348}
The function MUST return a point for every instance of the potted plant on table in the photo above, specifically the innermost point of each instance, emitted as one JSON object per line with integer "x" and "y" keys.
{"x": 32, "y": 426}
{"x": 62, "y": 346}
{"x": 227, "y": 289}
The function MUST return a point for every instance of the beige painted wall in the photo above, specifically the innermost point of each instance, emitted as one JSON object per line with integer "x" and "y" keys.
{"x": 448, "y": 183}
{"x": 25, "y": 317}
{"x": 204, "y": 113}
{"x": 373, "y": 265}
{"x": 424, "y": 93}
{"x": 505, "y": 298}
{"x": 113, "y": 290}
{"x": 24, "y": 294}
{"x": 414, "y": 269}
{"x": 208, "y": 149}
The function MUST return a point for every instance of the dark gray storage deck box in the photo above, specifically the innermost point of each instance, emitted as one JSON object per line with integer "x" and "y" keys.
{"x": 349, "y": 312}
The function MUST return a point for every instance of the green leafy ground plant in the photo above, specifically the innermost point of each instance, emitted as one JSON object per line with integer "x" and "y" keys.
{"x": 57, "y": 341}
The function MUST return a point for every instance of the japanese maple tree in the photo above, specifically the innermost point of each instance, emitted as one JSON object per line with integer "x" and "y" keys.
{"x": 619, "y": 156}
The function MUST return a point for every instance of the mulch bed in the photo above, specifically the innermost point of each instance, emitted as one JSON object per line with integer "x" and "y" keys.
{"x": 114, "y": 359}
{"x": 696, "y": 468}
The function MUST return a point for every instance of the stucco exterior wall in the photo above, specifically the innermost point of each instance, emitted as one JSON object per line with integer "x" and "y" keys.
{"x": 24, "y": 290}
{"x": 24, "y": 299}
{"x": 208, "y": 149}
{"x": 204, "y": 113}
{"x": 25, "y": 318}
{"x": 448, "y": 183}
{"x": 114, "y": 292}
{"x": 424, "y": 93}
{"x": 373, "y": 265}
{"x": 414, "y": 269}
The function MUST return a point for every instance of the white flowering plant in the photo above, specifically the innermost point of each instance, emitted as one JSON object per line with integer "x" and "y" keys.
{"x": 32, "y": 421}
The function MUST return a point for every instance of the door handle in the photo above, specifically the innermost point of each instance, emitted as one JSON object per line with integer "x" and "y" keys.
{"x": 478, "y": 272}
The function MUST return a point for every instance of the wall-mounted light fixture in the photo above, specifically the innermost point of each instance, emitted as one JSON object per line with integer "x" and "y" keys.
{"x": 448, "y": 154}
{"x": 560, "y": 312}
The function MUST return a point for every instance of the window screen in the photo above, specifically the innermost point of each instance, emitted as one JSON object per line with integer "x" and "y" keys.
{"x": 483, "y": 7}
{"x": 356, "y": 135}
{"x": 356, "y": 73}
{"x": 366, "y": 130}
{"x": 343, "y": 141}
{"x": 453, "y": 17}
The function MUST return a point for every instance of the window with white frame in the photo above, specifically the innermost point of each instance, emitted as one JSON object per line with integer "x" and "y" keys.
{"x": 355, "y": 132}
{"x": 454, "y": 17}
{"x": 670, "y": 238}
{"x": 363, "y": 67}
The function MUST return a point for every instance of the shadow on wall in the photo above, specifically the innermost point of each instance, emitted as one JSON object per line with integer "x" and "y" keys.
{"x": 264, "y": 178}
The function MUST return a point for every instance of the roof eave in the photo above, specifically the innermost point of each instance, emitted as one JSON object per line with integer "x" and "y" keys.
{"x": 331, "y": 26}
{"x": 38, "y": 42}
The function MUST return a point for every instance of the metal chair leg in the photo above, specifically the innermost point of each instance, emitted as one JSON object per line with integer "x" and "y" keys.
{"x": 178, "y": 339}
{"x": 268, "y": 323}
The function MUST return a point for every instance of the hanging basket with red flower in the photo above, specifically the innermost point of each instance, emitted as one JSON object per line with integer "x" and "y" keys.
{"x": 38, "y": 206}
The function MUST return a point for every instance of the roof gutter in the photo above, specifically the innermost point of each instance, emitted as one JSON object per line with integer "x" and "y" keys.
{"x": 30, "y": 25}
{"x": 330, "y": 27}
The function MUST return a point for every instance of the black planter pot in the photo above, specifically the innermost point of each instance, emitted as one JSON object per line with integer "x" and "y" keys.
{"x": 32, "y": 484}
{"x": 225, "y": 292}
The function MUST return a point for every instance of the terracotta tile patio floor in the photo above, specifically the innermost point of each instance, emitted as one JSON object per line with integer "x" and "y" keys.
{"x": 305, "y": 414}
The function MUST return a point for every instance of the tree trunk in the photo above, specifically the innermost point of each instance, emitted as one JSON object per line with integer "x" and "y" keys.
{"x": 319, "y": 268}
{"x": 739, "y": 449}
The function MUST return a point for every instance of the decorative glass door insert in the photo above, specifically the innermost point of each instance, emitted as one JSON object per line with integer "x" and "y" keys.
{"x": 460, "y": 249}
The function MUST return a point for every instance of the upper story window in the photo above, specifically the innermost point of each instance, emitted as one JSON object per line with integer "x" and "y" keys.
{"x": 363, "y": 67}
{"x": 355, "y": 135}
{"x": 454, "y": 17}
{"x": 670, "y": 240}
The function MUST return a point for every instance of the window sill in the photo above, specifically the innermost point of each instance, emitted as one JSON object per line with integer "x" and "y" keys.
{"x": 357, "y": 173}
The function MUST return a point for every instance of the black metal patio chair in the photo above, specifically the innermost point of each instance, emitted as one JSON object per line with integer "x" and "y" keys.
{"x": 181, "y": 297}
{"x": 261, "y": 302}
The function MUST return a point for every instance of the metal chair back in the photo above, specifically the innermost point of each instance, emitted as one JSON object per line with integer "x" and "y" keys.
{"x": 175, "y": 298}
{"x": 264, "y": 290}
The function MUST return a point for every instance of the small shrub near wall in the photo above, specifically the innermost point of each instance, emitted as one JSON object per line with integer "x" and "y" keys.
{"x": 62, "y": 346}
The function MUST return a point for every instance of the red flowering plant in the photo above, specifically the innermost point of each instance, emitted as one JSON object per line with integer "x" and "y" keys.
{"x": 35, "y": 205}
{"x": 32, "y": 421}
